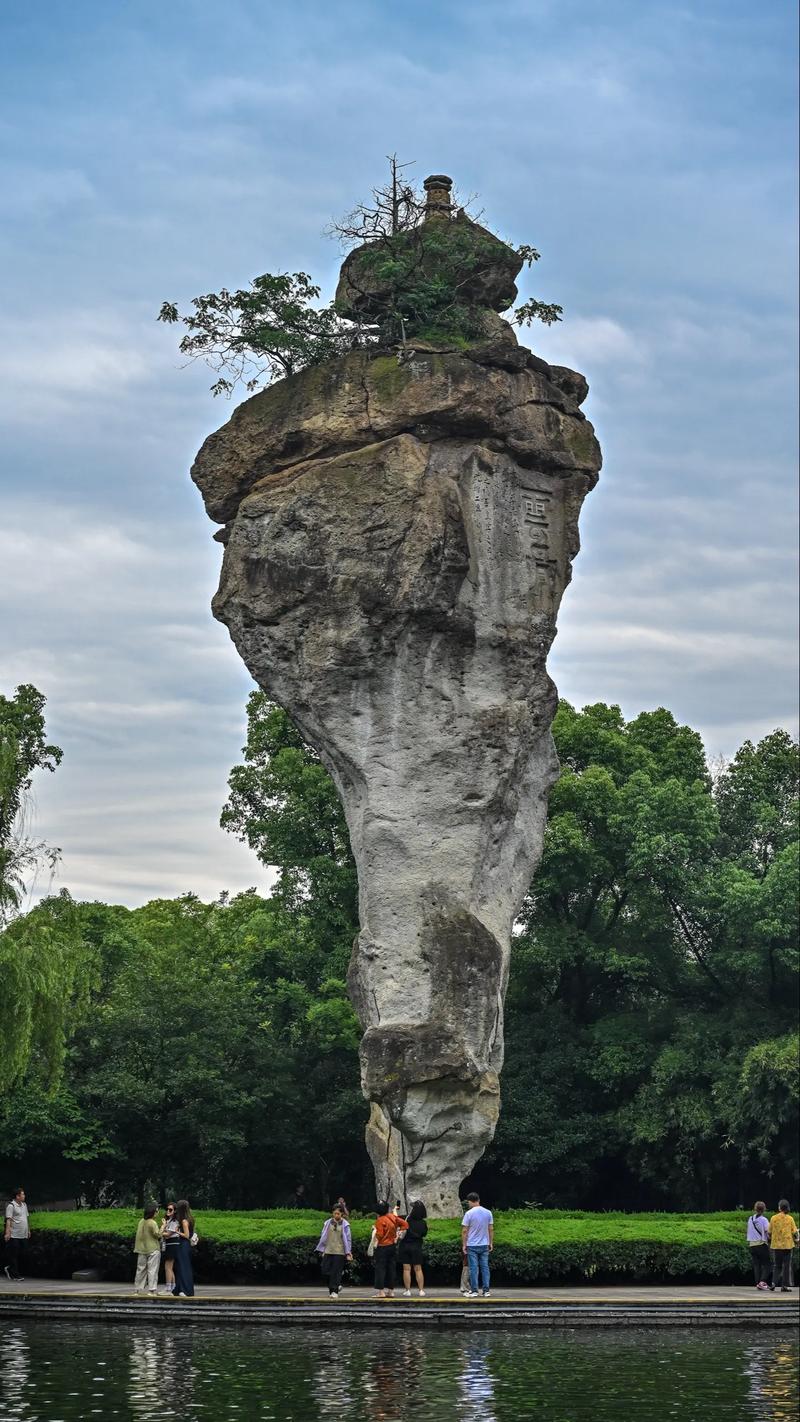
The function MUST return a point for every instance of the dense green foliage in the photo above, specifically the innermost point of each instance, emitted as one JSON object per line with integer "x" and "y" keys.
{"x": 530, "y": 1246}
{"x": 651, "y": 1023}
{"x": 217, "y": 1058}
{"x": 422, "y": 275}
{"x": 651, "y": 1047}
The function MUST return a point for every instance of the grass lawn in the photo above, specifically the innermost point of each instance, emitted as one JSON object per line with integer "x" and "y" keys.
{"x": 518, "y": 1228}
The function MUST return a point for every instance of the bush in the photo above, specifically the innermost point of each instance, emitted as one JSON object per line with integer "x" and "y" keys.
{"x": 531, "y": 1247}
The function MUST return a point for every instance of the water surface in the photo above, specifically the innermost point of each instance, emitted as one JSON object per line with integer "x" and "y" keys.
{"x": 62, "y": 1372}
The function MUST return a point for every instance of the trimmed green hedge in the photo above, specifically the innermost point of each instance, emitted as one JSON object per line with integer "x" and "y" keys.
{"x": 531, "y": 1246}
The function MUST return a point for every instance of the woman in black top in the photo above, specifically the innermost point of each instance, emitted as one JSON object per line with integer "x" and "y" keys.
{"x": 409, "y": 1250}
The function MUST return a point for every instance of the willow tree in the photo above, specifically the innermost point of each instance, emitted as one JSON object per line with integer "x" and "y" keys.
{"x": 44, "y": 967}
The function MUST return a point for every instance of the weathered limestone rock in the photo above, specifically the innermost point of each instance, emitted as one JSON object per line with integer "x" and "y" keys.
{"x": 398, "y": 537}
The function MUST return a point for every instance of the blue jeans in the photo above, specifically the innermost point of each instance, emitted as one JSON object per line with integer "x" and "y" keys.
{"x": 478, "y": 1264}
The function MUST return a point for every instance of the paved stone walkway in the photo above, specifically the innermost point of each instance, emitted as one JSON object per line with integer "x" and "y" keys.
{"x": 276, "y": 1305}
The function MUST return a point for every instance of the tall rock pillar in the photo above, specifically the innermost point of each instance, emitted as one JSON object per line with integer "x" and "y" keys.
{"x": 399, "y": 530}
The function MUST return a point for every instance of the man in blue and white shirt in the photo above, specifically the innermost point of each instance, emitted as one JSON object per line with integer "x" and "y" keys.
{"x": 477, "y": 1243}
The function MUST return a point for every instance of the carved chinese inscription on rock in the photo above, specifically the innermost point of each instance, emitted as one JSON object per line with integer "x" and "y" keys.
{"x": 535, "y": 507}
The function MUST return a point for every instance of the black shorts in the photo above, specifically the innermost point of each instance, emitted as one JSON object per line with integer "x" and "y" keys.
{"x": 409, "y": 1253}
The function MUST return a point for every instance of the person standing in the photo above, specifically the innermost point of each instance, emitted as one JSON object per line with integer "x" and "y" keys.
{"x": 477, "y": 1243}
{"x": 169, "y": 1239}
{"x": 386, "y": 1226}
{"x": 783, "y": 1237}
{"x": 17, "y": 1232}
{"x": 409, "y": 1250}
{"x": 335, "y": 1245}
{"x": 184, "y": 1276}
{"x": 758, "y": 1240}
{"x": 463, "y": 1286}
{"x": 147, "y": 1248}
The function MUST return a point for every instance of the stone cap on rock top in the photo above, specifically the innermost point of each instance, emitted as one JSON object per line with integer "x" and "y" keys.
{"x": 438, "y": 188}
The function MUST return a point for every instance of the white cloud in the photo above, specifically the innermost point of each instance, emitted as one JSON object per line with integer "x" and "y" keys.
{"x": 589, "y": 343}
{"x": 54, "y": 364}
{"x": 148, "y": 709}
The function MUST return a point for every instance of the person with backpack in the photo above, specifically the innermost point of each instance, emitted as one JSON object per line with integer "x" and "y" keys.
{"x": 409, "y": 1250}
{"x": 758, "y": 1240}
{"x": 336, "y": 1247}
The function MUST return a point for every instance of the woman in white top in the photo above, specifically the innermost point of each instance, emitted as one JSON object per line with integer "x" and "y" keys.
{"x": 758, "y": 1240}
{"x": 169, "y": 1235}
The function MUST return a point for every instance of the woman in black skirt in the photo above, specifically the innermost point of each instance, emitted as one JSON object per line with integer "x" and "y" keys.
{"x": 169, "y": 1243}
{"x": 409, "y": 1250}
{"x": 184, "y": 1276}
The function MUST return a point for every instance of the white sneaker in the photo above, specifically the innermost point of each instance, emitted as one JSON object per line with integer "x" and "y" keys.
{"x": 422, "y": 1294}
{"x": 472, "y": 1295}
{"x": 333, "y": 1296}
{"x": 487, "y": 1294}
{"x": 406, "y": 1293}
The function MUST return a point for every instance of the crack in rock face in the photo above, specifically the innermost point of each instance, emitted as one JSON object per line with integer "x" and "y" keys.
{"x": 397, "y": 540}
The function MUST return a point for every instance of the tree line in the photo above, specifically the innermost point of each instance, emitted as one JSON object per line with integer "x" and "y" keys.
{"x": 652, "y": 1050}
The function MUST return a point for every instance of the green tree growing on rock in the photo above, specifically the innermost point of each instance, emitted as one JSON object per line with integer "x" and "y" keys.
{"x": 406, "y": 276}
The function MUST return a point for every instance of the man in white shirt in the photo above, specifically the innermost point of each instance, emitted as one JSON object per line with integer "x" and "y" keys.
{"x": 477, "y": 1243}
{"x": 17, "y": 1231}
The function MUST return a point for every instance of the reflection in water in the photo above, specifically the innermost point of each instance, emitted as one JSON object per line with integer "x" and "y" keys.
{"x": 475, "y": 1383}
{"x": 71, "y": 1372}
{"x": 772, "y": 1373}
{"x": 331, "y": 1386}
{"x": 15, "y": 1370}
{"x": 147, "y": 1368}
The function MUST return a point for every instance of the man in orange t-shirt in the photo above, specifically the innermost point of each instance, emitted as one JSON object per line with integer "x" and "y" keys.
{"x": 386, "y": 1226}
{"x": 782, "y": 1239}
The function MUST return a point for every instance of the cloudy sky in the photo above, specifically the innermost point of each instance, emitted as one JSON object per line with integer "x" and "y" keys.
{"x": 153, "y": 151}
